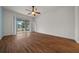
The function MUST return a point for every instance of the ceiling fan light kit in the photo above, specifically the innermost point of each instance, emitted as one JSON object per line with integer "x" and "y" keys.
{"x": 33, "y": 12}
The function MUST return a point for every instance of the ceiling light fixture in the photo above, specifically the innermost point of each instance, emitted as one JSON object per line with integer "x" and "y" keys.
{"x": 33, "y": 12}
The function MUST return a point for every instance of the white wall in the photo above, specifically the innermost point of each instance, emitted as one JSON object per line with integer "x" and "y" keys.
{"x": 77, "y": 23}
{"x": 8, "y": 20}
{"x": 57, "y": 21}
{"x": 0, "y": 22}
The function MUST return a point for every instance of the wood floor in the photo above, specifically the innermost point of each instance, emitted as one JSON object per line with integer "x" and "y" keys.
{"x": 37, "y": 43}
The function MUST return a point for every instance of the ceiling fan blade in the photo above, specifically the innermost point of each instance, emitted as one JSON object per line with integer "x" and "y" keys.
{"x": 37, "y": 12}
{"x": 29, "y": 13}
{"x": 27, "y": 9}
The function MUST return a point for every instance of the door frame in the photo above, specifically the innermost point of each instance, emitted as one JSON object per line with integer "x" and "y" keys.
{"x": 14, "y": 25}
{"x": 14, "y": 29}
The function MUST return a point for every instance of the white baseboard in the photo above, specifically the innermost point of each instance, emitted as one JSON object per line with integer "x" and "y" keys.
{"x": 77, "y": 41}
{"x": 0, "y": 38}
{"x": 64, "y": 36}
{"x": 8, "y": 34}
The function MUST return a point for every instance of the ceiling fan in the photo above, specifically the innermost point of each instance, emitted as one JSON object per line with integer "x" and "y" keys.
{"x": 33, "y": 12}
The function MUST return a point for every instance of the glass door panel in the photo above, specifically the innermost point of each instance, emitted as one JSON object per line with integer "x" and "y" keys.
{"x": 23, "y": 25}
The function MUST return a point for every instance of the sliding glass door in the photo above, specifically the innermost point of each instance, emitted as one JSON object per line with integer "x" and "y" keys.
{"x": 23, "y": 25}
{"x": 20, "y": 25}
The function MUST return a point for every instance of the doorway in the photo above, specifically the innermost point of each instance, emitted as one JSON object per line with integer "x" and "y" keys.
{"x": 22, "y": 25}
